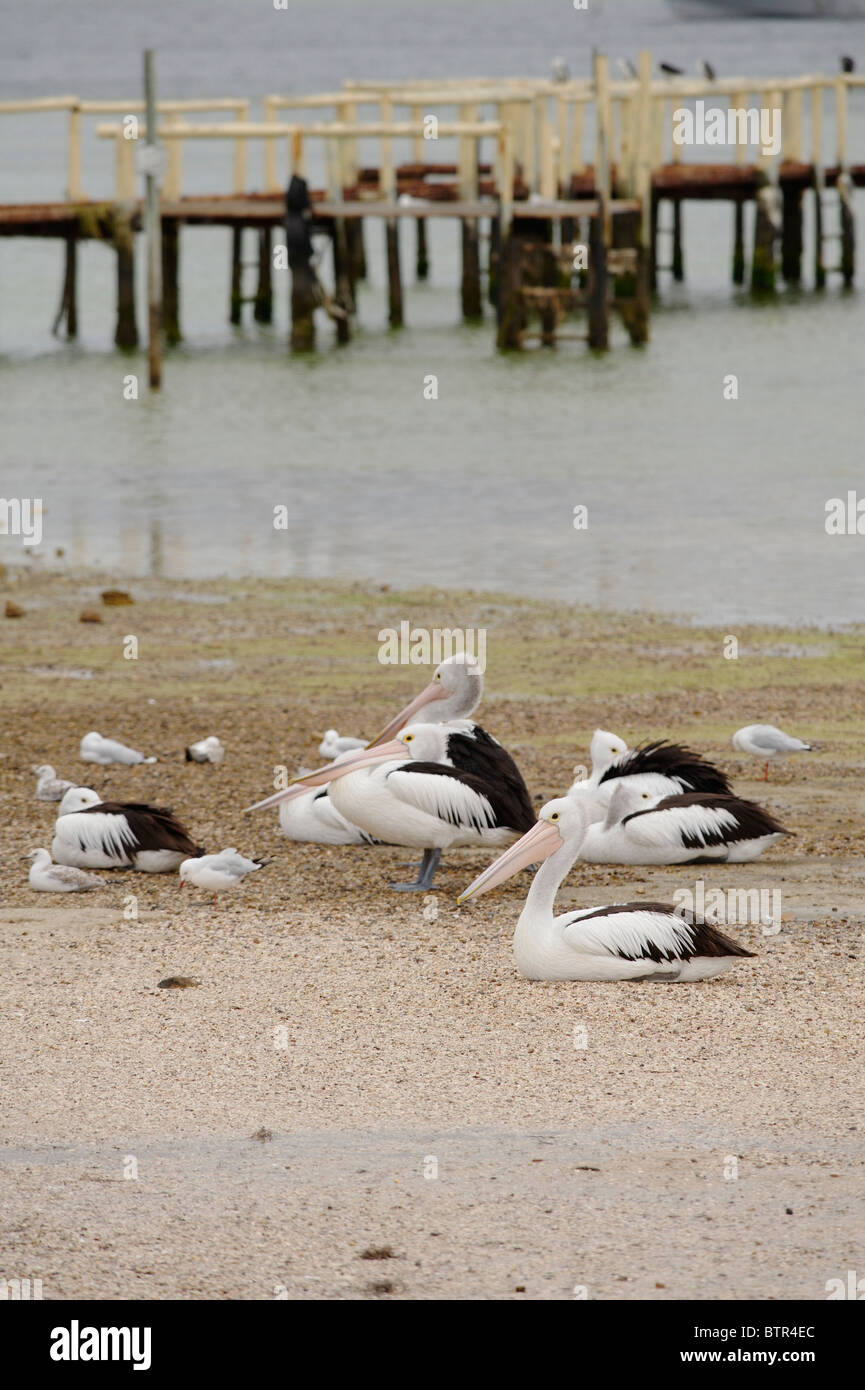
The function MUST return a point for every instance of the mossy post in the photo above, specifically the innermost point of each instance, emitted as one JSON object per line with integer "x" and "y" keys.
{"x": 511, "y": 315}
{"x": 170, "y": 280}
{"x": 470, "y": 289}
{"x": 422, "y": 261}
{"x": 304, "y": 297}
{"x": 263, "y": 307}
{"x": 493, "y": 260}
{"x": 819, "y": 266}
{"x": 342, "y": 280}
{"x": 126, "y": 330}
{"x": 848, "y": 230}
{"x": 599, "y": 313}
{"x": 69, "y": 298}
{"x": 394, "y": 278}
{"x": 791, "y": 235}
{"x": 763, "y": 262}
{"x": 653, "y": 243}
{"x": 739, "y": 242}
{"x": 236, "y": 291}
{"x": 356, "y": 248}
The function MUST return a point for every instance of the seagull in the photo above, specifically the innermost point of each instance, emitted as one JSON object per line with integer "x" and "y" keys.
{"x": 308, "y": 816}
{"x": 671, "y": 71}
{"x": 207, "y": 750}
{"x": 560, "y": 70}
{"x": 687, "y": 828}
{"x": 707, "y": 70}
{"x": 46, "y": 877}
{"x": 435, "y": 787}
{"x": 49, "y": 787}
{"x": 848, "y": 64}
{"x": 625, "y": 941}
{"x": 119, "y": 835}
{"x": 626, "y": 68}
{"x": 216, "y": 872}
{"x": 96, "y": 749}
{"x": 767, "y": 742}
{"x": 334, "y": 743}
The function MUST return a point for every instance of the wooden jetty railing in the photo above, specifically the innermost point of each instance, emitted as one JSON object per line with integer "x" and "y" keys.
{"x": 545, "y": 163}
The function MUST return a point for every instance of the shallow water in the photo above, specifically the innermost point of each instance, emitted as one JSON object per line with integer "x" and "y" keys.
{"x": 695, "y": 504}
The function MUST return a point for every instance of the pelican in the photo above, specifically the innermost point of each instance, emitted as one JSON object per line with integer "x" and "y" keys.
{"x": 333, "y": 744}
{"x": 96, "y": 749}
{"x": 658, "y": 769}
{"x": 216, "y": 872}
{"x": 310, "y": 817}
{"x": 50, "y": 787}
{"x": 46, "y": 877}
{"x": 435, "y": 787}
{"x": 207, "y": 750}
{"x": 626, "y": 941}
{"x": 693, "y": 826}
{"x": 455, "y": 691}
{"x": 767, "y": 742}
{"x": 119, "y": 835}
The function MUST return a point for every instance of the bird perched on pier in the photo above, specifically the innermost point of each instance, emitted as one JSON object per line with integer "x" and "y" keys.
{"x": 50, "y": 787}
{"x": 96, "y": 749}
{"x": 332, "y": 744}
{"x": 119, "y": 835}
{"x": 624, "y": 941}
{"x": 707, "y": 70}
{"x": 216, "y": 872}
{"x": 848, "y": 64}
{"x": 670, "y": 71}
{"x": 690, "y": 827}
{"x": 626, "y": 68}
{"x": 435, "y": 787}
{"x": 766, "y": 742}
{"x": 560, "y": 70}
{"x": 207, "y": 750}
{"x": 46, "y": 877}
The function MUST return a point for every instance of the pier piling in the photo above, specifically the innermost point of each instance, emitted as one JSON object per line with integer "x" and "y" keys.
{"x": 422, "y": 259}
{"x": 68, "y": 309}
{"x": 263, "y": 307}
{"x": 171, "y": 280}
{"x": 599, "y": 318}
{"x": 763, "y": 261}
{"x": 470, "y": 293}
{"x": 678, "y": 263}
{"x": 126, "y": 330}
{"x": 236, "y": 292}
{"x": 791, "y": 235}
{"x": 394, "y": 278}
{"x": 739, "y": 242}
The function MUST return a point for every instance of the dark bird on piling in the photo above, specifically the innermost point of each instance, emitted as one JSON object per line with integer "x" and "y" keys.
{"x": 848, "y": 64}
{"x": 708, "y": 70}
{"x": 671, "y": 71}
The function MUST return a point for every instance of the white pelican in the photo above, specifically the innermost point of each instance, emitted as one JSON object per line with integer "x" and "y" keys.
{"x": 693, "y": 826}
{"x": 308, "y": 816}
{"x": 455, "y": 691}
{"x": 333, "y": 744}
{"x": 50, "y": 787}
{"x": 216, "y": 872}
{"x": 96, "y": 749}
{"x": 78, "y": 799}
{"x": 626, "y": 941}
{"x": 46, "y": 877}
{"x": 119, "y": 835}
{"x": 207, "y": 750}
{"x": 659, "y": 769}
{"x": 435, "y": 787}
{"x": 767, "y": 742}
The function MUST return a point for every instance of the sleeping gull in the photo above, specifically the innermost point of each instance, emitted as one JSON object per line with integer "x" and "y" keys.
{"x": 96, "y": 749}
{"x": 216, "y": 872}
{"x": 207, "y": 750}
{"x": 46, "y": 877}
{"x": 767, "y": 742}
{"x": 50, "y": 787}
{"x": 334, "y": 743}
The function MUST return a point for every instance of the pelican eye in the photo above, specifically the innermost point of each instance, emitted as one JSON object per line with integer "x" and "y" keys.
{"x": 554, "y": 816}
{"x": 408, "y": 738}
{"x": 437, "y": 676}
{"x": 645, "y": 796}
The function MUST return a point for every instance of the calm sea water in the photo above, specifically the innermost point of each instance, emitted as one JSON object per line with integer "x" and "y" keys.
{"x": 696, "y": 505}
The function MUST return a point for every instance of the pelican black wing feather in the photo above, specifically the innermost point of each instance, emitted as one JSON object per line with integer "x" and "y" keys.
{"x": 751, "y": 820}
{"x": 689, "y": 769}
{"x": 483, "y": 756}
{"x": 154, "y": 827}
{"x": 705, "y": 938}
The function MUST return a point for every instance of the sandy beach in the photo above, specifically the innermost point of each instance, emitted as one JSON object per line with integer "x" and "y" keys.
{"x": 360, "y": 1097}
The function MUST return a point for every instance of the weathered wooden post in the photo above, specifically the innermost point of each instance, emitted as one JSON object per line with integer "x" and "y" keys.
{"x": 678, "y": 264}
{"x": 509, "y": 303}
{"x": 305, "y": 291}
{"x": 123, "y": 237}
{"x": 236, "y": 292}
{"x": 471, "y": 260}
{"x": 494, "y": 254}
{"x": 791, "y": 235}
{"x": 599, "y": 315}
{"x": 422, "y": 258}
{"x": 171, "y": 280}
{"x": 739, "y": 242}
{"x": 601, "y": 225}
{"x": 152, "y": 227}
{"x": 765, "y": 230}
{"x": 69, "y": 298}
{"x": 848, "y": 229}
{"x": 819, "y": 183}
{"x": 387, "y": 181}
{"x": 263, "y": 308}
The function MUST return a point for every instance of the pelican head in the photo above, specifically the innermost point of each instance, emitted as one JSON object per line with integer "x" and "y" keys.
{"x": 78, "y": 799}
{"x": 561, "y": 824}
{"x": 604, "y": 749}
{"x": 456, "y": 689}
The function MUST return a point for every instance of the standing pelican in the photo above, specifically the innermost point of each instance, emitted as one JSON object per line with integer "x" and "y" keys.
{"x": 455, "y": 691}
{"x": 435, "y": 787}
{"x": 764, "y": 741}
{"x": 626, "y": 941}
{"x": 694, "y": 826}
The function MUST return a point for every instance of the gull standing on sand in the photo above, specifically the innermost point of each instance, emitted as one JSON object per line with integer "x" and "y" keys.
{"x": 96, "y": 749}
{"x": 46, "y": 877}
{"x": 766, "y": 742}
{"x": 691, "y": 827}
{"x": 216, "y": 872}
{"x": 435, "y": 787}
{"x": 50, "y": 787}
{"x": 207, "y": 750}
{"x": 119, "y": 835}
{"x": 625, "y": 941}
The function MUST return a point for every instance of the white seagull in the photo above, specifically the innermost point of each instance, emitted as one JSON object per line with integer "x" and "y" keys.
{"x": 207, "y": 750}
{"x": 46, "y": 877}
{"x": 766, "y": 742}
{"x": 50, "y": 787}
{"x": 333, "y": 744}
{"x": 437, "y": 786}
{"x": 691, "y": 827}
{"x": 119, "y": 835}
{"x": 216, "y": 872}
{"x": 626, "y": 941}
{"x": 96, "y": 749}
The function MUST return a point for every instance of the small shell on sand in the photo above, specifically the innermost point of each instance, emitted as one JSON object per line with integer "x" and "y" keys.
{"x": 116, "y": 598}
{"x": 90, "y": 615}
{"x": 178, "y": 982}
{"x": 12, "y": 610}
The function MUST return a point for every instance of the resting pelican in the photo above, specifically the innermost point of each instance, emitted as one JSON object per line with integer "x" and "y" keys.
{"x": 46, "y": 877}
{"x": 216, "y": 872}
{"x": 643, "y": 829}
{"x": 50, "y": 787}
{"x": 626, "y": 941}
{"x": 658, "y": 769}
{"x": 435, "y": 787}
{"x": 119, "y": 835}
{"x": 766, "y": 742}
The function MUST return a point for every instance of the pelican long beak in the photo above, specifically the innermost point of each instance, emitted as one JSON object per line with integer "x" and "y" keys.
{"x": 538, "y": 843}
{"x": 434, "y": 691}
{"x": 364, "y": 757}
{"x": 287, "y": 794}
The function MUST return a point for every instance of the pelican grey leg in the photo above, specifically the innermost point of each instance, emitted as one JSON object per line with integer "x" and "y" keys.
{"x": 426, "y": 873}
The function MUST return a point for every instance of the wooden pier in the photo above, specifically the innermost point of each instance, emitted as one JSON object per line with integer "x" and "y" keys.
{"x": 569, "y": 179}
